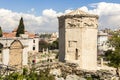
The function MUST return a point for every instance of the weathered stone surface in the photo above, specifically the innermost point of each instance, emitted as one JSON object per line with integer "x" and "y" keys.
{"x": 15, "y": 59}
{"x": 57, "y": 78}
{"x": 72, "y": 77}
{"x": 66, "y": 71}
{"x": 78, "y": 39}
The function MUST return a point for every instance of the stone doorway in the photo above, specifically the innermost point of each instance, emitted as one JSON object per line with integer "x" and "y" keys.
{"x": 1, "y": 48}
{"x": 76, "y": 54}
{"x": 15, "y": 57}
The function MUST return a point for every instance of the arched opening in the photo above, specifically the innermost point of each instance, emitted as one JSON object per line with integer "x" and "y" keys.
{"x": 15, "y": 56}
{"x": 1, "y": 48}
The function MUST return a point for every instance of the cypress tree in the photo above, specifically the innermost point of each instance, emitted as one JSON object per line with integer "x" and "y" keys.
{"x": 1, "y": 32}
{"x": 20, "y": 29}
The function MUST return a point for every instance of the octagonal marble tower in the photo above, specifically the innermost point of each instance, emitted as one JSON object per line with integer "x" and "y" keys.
{"x": 78, "y": 39}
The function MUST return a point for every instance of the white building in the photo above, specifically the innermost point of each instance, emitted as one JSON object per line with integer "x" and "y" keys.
{"x": 102, "y": 42}
{"x": 49, "y": 37}
{"x": 14, "y": 50}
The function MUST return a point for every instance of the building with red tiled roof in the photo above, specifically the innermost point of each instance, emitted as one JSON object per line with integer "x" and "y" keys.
{"x": 13, "y": 34}
{"x": 15, "y": 50}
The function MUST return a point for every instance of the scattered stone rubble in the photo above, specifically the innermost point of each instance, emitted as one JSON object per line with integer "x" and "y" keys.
{"x": 69, "y": 71}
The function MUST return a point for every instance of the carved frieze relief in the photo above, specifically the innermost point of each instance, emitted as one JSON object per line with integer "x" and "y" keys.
{"x": 73, "y": 23}
{"x": 90, "y": 23}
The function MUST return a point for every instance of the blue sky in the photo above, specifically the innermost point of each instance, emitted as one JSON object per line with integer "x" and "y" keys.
{"x": 41, "y": 15}
{"x": 39, "y": 5}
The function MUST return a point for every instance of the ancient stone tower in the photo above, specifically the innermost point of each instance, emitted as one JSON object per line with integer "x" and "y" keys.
{"x": 78, "y": 39}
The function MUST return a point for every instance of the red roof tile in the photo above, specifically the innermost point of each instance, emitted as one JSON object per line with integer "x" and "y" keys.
{"x": 13, "y": 34}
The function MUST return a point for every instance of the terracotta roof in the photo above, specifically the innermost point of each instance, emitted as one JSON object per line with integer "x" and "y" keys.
{"x": 31, "y": 35}
{"x": 13, "y": 34}
{"x": 9, "y": 35}
{"x": 5, "y": 34}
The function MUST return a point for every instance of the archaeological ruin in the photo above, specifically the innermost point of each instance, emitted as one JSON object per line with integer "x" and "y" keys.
{"x": 78, "y": 39}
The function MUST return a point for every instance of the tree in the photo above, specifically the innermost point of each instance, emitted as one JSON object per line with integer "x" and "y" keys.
{"x": 13, "y": 76}
{"x": 114, "y": 55}
{"x": 54, "y": 45}
{"x": 1, "y": 32}
{"x": 45, "y": 36}
{"x": 114, "y": 41}
{"x": 43, "y": 74}
{"x": 20, "y": 29}
{"x": 43, "y": 44}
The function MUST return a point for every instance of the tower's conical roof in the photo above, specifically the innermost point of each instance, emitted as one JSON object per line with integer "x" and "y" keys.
{"x": 79, "y": 13}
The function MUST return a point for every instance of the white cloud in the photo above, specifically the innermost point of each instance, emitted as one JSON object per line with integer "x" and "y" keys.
{"x": 84, "y": 8}
{"x": 109, "y": 14}
{"x": 47, "y": 22}
{"x": 108, "y": 17}
{"x": 68, "y": 11}
{"x": 49, "y": 13}
{"x": 104, "y": 8}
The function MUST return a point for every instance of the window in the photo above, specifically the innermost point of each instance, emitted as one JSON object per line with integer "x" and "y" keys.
{"x": 76, "y": 54}
{"x": 69, "y": 43}
{"x": 33, "y": 41}
{"x": 72, "y": 43}
{"x": 33, "y": 48}
{"x": 1, "y": 47}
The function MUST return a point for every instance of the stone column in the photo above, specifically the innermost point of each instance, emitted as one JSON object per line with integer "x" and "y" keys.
{"x": 5, "y": 56}
{"x": 101, "y": 62}
{"x": 47, "y": 51}
{"x": 43, "y": 51}
{"x": 25, "y": 56}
